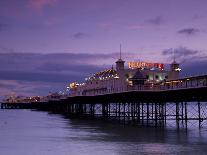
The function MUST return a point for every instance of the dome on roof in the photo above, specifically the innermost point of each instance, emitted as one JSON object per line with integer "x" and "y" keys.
{"x": 138, "y": 76}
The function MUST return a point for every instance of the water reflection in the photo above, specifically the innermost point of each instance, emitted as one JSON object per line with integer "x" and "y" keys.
{"x": 32, "y": 132}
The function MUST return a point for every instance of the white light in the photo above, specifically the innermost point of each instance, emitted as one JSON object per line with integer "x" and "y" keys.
{"x": 178, "y": 69}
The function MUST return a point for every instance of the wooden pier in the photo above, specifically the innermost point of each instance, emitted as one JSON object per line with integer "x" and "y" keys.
{"x": 139, "y": 107}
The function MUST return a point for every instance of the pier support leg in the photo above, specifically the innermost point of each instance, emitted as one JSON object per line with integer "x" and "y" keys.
{"x": 147, "y": 114}
{"x": 165, "y": 114}
{"x": 199, "y": 114}
{"x": 124, "y": 113}
{"x": 186, "y": 115}
{"x": 162, "y": 114}
{"x": 116, "y": 110}
{"x": 119, "y": 111}
{"x": 142, "y": 113}
{"x": 138, "y": 112}
{"x": 177, "y": 114}
{"x": 92, "y": 110}
{"x": 156, "y": 114}
{"x": 182, "y": 112}
{"x": 104, "y": 111}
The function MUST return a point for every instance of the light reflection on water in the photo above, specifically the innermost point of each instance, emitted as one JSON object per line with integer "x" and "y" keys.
{"x": 39, "y": 133}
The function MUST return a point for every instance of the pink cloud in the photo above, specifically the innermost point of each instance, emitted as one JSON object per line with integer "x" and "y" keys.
{"x": 39, "y": 4}
{"x": 135, "y": 27}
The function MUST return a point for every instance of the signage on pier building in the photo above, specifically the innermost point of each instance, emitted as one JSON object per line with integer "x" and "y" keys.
{"x": 134, "y": 65}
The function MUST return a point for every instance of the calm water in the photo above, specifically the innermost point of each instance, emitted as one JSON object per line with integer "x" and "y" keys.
{"x": 25, "y": 132}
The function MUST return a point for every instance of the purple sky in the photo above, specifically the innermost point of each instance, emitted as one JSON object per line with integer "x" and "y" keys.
{"x": 44, "y": 44}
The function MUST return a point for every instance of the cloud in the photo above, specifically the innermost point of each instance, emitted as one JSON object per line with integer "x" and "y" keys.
{"x": 182, "y": 54}
{"x": 62, "y": 68}
{"x": 39, "y": 4}
{"x": 80, "y": 68}
{"x": 57, "y": 69}
{"x": 156, "y": 21}
{"x": 80, "y": 35}
{"x": 188, "y": 31}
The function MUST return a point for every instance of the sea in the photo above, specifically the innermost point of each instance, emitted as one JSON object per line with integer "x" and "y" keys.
{"x": 27, "y": 132}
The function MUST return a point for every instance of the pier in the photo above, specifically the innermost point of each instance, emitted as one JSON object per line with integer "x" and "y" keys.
{"x": 178, "y": 101}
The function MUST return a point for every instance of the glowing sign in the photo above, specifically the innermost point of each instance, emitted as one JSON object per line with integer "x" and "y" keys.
{"x": 134, "y": 65}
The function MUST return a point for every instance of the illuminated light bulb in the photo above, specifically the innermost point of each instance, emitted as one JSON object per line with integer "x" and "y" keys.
{"x": 178, "y": 69}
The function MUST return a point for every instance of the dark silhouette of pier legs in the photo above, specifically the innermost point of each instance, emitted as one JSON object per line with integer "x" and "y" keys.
{"x": 140, "y": 113}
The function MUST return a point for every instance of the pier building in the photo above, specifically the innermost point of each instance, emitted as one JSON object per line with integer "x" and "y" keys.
{"x": 137, "y": 76}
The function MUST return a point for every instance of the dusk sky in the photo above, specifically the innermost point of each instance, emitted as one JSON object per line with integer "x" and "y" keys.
{"x": 45, "y": 44}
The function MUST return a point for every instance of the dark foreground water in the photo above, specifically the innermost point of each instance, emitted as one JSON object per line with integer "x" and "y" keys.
{"x": 25, "y": 132}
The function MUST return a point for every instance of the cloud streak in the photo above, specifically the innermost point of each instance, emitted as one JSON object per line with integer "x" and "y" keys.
{"x": 48, "y": 67}
{"x": 188, "y": 31}
{"x": 80, "y": 35}
{"x": 180, "y": 52}
{"x": 183, "y": 54}
{"x": 27, "y": 74}
{"x": 156, "y": 20}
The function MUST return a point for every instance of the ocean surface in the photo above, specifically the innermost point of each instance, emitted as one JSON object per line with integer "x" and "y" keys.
{"x": 26, "y": 132}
